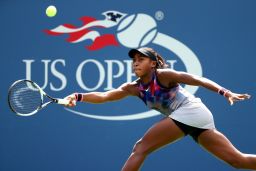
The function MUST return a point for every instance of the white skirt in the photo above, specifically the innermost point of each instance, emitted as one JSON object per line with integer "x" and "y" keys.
{"x": 194, "y": 113}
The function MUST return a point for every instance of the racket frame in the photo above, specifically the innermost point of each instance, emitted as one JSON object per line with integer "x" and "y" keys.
{"x": 42, "y": 94}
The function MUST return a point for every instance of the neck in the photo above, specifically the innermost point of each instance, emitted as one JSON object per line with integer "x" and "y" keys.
{"x": 147, "y": 78}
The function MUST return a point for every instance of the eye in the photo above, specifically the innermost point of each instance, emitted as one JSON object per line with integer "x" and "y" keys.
{"x": 140, "y": 59}
{"x": 137, "y": 59}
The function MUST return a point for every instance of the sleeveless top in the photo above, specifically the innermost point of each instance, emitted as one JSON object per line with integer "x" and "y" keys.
{"x": 163, "y": 99}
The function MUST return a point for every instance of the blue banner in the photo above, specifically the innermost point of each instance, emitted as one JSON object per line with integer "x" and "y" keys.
{"x": 82, "y": 46}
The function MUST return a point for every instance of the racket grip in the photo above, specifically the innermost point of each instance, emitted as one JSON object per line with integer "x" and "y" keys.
{"x": 63, "y": 101}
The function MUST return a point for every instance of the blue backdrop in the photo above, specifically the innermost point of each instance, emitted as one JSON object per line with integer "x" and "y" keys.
{"x": 218, "y": 36}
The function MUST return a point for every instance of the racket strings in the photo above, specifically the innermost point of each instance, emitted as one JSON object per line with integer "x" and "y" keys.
{"x": 25, "y": 98}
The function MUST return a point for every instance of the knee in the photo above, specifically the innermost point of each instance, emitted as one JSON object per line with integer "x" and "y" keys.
{"x": 141, "y": 147}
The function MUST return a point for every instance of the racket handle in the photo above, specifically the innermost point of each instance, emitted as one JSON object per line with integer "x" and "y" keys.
{"x": 63, "y": 101}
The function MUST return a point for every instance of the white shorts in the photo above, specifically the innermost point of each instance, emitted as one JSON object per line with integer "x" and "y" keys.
{"x": 194, "y": 113}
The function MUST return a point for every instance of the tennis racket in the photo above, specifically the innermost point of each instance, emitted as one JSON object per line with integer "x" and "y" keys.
{"x": 26, "y": 98}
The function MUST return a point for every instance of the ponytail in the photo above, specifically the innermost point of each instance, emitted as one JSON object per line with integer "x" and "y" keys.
{"x": 161, "y": 64}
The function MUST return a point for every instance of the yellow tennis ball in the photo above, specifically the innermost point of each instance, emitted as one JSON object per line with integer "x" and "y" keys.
{"x": 51, "y": 11}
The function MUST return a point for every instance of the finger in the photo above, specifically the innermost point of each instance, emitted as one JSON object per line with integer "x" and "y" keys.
{"x": 245, "y": 96}
{"x": 72, "y": 100}
{"x": 239, "y": 98}
{"x": 72, "y": 103}
{"x": 231, "y": 102}
{"x": 72, "y": 97}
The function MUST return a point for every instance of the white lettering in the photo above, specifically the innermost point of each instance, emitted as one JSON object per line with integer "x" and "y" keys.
{"x": 129, "y": 74}
{"x": 171, "y": 62}
{"x": 110, "y": 75}
{"x": 79, "y": 75}
{"x": 28, "y": 63}
{"x": 46, "y": 62}
{"x": 58, "y": 75}
{"x": 113, "y": 69}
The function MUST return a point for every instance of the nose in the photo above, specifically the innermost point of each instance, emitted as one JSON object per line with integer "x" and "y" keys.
{"x": 135, "y": 63}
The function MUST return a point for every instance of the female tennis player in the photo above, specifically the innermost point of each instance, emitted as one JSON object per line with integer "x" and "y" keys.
{"x": 159, "y": 88}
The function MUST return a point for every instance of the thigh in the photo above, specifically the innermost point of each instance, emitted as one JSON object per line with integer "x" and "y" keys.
{"x": 217, "y": 144}
{"x": 160, "y": 134}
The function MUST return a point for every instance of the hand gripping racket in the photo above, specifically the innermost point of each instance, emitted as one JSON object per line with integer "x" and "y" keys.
{"x": 26, "y": 98}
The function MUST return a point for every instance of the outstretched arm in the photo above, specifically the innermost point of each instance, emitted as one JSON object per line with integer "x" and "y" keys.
{"x": 100, "y": 97}
{"x": 190, "y": 79}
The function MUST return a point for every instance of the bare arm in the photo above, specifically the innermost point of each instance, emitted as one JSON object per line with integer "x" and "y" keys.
{"x": 102, "y": 97}
{"x": 190, "y": 79}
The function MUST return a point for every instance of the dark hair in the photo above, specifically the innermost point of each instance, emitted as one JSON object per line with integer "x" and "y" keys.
{"x": 159, "y": 59}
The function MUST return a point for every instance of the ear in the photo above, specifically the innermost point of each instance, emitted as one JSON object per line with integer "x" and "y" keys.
{"x": 153, "y": 64}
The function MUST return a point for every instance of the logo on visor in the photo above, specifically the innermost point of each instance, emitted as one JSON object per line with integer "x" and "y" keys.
{"x": 133, "y": 31}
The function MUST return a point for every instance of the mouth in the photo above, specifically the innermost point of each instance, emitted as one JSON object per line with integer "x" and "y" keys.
{"x": 137, "y": 72}
{"x": 136, "y": 69}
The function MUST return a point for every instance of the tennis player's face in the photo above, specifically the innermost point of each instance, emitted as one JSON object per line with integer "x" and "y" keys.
{"x": 142, "y": 65}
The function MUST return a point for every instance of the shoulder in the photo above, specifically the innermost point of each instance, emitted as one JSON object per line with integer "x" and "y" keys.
{"x": 167, "y": 77}
{"x": 130, "y": 87}
{"x": 167, "y": 73}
